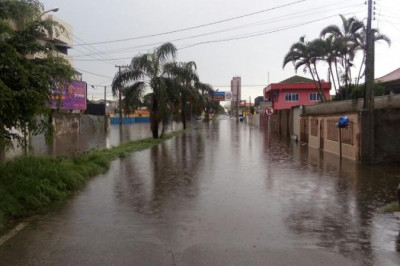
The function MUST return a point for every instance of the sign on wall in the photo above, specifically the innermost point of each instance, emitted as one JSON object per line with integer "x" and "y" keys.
{"x": 70, "y": 97}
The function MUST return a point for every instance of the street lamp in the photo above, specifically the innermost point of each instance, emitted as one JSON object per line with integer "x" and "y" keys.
{"x": 50, "y": 10}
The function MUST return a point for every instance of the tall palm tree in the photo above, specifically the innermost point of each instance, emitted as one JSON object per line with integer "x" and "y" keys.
{"x": 346, "y": 34}
{"x": 185, "y": 74}
{"x": 147, "y": 70}
{"x": 306, "y": 54}
{"x": 361, "y": 39}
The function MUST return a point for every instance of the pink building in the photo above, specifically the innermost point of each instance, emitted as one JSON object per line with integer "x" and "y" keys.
{"x": 294, "y": 91}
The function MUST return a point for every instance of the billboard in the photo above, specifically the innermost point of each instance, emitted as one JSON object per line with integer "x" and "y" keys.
{"x": 221, "y": 96}
{"x": 70, "y": 97}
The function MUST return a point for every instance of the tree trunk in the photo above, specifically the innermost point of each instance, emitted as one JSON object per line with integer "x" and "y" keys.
{"x": 319, "y": 85}
{"x": 346, "y": 80}
{"x": 207, "y": 114}
{"x": 183, "y": 113}
{"x": 359, "y": 73}
{"x": 154, "y": 120}
{"x": 338, "y": 78}
{"x": 2, "y": 144}
{"x": 25, "y": 143}
{"x": 333, "y": 78}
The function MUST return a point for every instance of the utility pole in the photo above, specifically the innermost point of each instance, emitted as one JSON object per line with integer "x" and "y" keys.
{"x": 105, "y": 108}
{"x": 368, "y": 134}
{"x": 119, "y": 98}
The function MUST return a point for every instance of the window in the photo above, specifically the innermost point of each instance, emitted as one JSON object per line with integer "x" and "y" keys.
{"x": 315, "y": 96}
{"x": 291, "y": 97}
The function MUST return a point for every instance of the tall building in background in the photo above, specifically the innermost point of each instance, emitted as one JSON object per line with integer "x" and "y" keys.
{"x": 236, "y": 89}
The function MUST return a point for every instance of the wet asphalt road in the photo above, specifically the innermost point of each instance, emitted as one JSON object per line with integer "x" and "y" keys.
{"x": 224, "y": 194}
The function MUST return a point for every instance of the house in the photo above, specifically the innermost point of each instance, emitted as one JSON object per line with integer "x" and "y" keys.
{"x": 294, "y": 91}
{"x": 391, "y": 81}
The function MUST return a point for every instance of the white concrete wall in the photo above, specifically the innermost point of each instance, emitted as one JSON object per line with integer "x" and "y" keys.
{"x": 351, "y": 106}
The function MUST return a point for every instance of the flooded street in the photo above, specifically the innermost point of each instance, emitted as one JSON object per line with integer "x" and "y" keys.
{"x": 223, "y": 194}
{"x": 70, "y": 144}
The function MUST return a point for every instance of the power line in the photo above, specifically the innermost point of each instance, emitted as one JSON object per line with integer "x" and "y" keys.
{"x": 93, "y": 49}
{"x": 88, "y": 72}
{"x": 195, "y": 27}
{"x": 256, "y": 34}
{"x": 272, "y": 20}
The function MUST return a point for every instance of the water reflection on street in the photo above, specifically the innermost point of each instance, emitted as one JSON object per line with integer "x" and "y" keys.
{"x": 94, "y": 138}
{"x": 223, "y": 187}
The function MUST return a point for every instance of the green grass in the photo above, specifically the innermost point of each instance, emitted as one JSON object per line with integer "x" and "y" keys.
{"x": 30, "y": 184}
{"x": 391, "y": 207}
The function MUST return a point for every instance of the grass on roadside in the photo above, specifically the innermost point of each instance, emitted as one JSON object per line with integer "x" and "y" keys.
{"x": 391, "y": 207}
{"x": 29, "y": 184}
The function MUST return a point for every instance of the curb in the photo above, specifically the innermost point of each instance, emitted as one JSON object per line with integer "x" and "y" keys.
{"x": 16, "y": 230}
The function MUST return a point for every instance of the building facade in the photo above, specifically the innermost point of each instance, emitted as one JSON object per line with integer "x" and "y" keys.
{"x": 293, "y": 92}
{"x": 62, "y": 41}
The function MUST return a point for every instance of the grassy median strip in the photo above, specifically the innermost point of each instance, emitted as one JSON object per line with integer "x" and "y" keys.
{"x": 30, "y": 184}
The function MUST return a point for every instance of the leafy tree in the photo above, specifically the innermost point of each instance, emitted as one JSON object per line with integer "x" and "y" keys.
{"x": 27, "y": 81}
{"x": 147, "y": 70}
{"x": 358, "y": 91}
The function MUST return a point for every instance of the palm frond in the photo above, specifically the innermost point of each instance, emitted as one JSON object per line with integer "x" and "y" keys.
{"x": 165, "y": 51}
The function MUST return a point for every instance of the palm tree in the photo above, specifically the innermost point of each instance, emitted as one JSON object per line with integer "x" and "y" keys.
{"x": 205, "y": 90}
{"x": 307, "y": 54}
{"x": 361, "y": 39}
{"x": 148, "y": 70}
{"x": 347, "y": 35}
{"x": 332, "y": 53}
{"x": 132, "y": 97}
{"x": 185, "y": 74}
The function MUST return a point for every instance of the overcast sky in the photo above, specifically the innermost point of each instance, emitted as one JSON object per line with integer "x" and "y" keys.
{"x": 250, "y": 43}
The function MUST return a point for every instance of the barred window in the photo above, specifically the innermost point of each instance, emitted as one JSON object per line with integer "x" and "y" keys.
{"x": 347, "y": 132}
{"x": 314, "y": 127}
{"x": 333, "y": 131}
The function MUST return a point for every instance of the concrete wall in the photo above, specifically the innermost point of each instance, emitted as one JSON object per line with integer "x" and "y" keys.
{"x": 66, "y": 123}
{"x": 386, "y": 125}
{"x": 351, "y": 106}
{"x": 321, "y": 140}
{"x": 387, "y": 135}
{"x": 91, "y": 123}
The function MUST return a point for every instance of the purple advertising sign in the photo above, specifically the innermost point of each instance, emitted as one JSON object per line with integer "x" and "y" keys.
{"x": 72, "y": 98}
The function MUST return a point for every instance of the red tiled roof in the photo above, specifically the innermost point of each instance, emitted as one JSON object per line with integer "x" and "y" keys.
{"x": 394, "y": 75}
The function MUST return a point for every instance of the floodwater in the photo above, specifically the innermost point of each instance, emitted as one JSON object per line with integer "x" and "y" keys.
{"x": 223, "y": 194}
{"x": 71, "y": 144}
